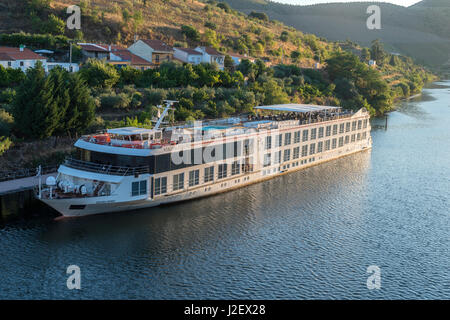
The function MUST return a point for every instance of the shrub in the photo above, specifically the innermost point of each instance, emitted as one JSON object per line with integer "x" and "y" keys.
{"x": 190, "y": 33}
{"x": 259, "y": 15}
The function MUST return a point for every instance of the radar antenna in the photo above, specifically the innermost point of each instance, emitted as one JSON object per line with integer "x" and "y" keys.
{"x": 169, "y": 104}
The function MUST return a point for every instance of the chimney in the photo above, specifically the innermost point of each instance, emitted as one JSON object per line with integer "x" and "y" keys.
{"x": 22, "y": 47}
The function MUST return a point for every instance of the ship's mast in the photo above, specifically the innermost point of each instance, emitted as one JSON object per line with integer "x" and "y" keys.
{"x": 169, "y": 104}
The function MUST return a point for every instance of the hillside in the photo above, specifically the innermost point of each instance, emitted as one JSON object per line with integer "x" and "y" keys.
{"x": 35, "y": 106}
{"x": 121, "y": 21}
{"x": 421, "y": 31}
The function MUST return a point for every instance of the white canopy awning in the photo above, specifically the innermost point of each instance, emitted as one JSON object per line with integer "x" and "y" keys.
{"x": 128, "y": 131}
{"x": 302, "y": 108}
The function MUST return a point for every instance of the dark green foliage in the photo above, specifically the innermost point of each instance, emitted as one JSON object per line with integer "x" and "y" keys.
{"x": 99, "y": 74}
{"x": 191, "y": 33}
{"x": 36, "y": 41}
{"x": 81, "y": 110}
{"x": 348, "y": 73}
{"x": 35, "y": 110}
{"x": 377, "y": 52}
{"x": 54, "y": 104}
{"x": 259, "y": 15}
{"x": 10, "y": 77}
{"x": 54, "y": 25}
{"x": 225, "y": 6}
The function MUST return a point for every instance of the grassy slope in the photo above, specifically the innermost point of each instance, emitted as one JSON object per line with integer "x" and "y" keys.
{"x": 421, "y": 31}
{"x": 103, "y": 22}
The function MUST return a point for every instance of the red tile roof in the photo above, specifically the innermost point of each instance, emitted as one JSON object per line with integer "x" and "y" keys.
{"x": 134, "y": 59}
{"x": 190, "y": 51}
{"x": 158, "y": 45}
{"x": 212, "y": 51}
{"x": 12, "y": 54}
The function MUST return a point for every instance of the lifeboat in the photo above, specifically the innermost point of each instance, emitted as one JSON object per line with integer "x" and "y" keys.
{"x": 155, "y": 146}
{"x": 102, "y": 138}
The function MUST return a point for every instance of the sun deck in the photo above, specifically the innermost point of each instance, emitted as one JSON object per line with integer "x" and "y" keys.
{"x": 265, "y": 119}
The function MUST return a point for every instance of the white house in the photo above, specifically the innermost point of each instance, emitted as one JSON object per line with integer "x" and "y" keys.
{"x": 19, "y": 58}
{"x": 188, "y": 55}
{"x": 154, "y": 51}
{"x": 211, "y": 55}
{"x": 237, "y": 58}
{"x": 373, "y": 63}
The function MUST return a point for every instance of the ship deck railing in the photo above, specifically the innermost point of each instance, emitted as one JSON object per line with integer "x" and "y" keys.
{"x": 277, "y": 119}
{"x": 105, "y": 168}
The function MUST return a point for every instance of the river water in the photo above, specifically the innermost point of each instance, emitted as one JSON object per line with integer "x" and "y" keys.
{"x": 307, "y": 235}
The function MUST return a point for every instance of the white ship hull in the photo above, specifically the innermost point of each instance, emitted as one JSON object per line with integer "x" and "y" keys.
{"x": 110, "y": 204}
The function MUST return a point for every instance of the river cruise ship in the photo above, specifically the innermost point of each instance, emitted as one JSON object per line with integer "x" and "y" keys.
{"x": 132, "y": 168}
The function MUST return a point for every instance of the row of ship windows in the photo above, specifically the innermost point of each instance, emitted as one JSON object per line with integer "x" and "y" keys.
{"x": 287, "y": 166}
{"x": 178, "y": 180}
{"x": 312, "y": 134}
{"x": 321, "y": 146}
{"x": 194, "y": 176}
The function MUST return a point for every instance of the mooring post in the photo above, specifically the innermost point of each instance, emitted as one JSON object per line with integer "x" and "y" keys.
{"x": 386, "y": 125}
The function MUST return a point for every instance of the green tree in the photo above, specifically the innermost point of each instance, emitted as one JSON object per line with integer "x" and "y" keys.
{"x": 99, "y": 74}
{"x": 81, "y": 111}
{"x": 54, "y": 25}
{"x": 229, "y": 63}
{"x": 190, "y": 33}
{"x": 61, "y": 96}
{"x": 377, "y": 52}
{"x": 34, "y": 110}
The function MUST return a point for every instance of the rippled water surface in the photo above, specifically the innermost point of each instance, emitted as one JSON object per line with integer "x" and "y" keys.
{"x": 306, "y": 235}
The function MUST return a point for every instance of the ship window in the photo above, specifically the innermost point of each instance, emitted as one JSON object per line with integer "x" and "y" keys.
{"x": 312, "y": 149}
{"x": 313, "y": 133}
{"x": 160, "y": 185}
{"x": 280, "y": 140}
{"x": 320, "y": 132}
{"x": 139, "y": 188}
{"x": 267, "y": 158}
{"x": 335, "y": 129}
{"x": 287, "y": 138}
{"x": 297, "y": 137}
{"x": 235, "y": 168}
{"x": 305, "y": 135}
{"x": 304, "y": 151}
{"x": 320, "y": 147}
{"x": 268, "y": 142}
{"x": 287, "y": 155}
{"x": 194, "y": 178}
{"x": 178, "y": 182}
{"x": 277, "y": 157}
{"x": 248, "y": 147}
{"x": 209, "y": 174}
{"x": 222, "y": 171}
{"x": 296, "y": 154}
